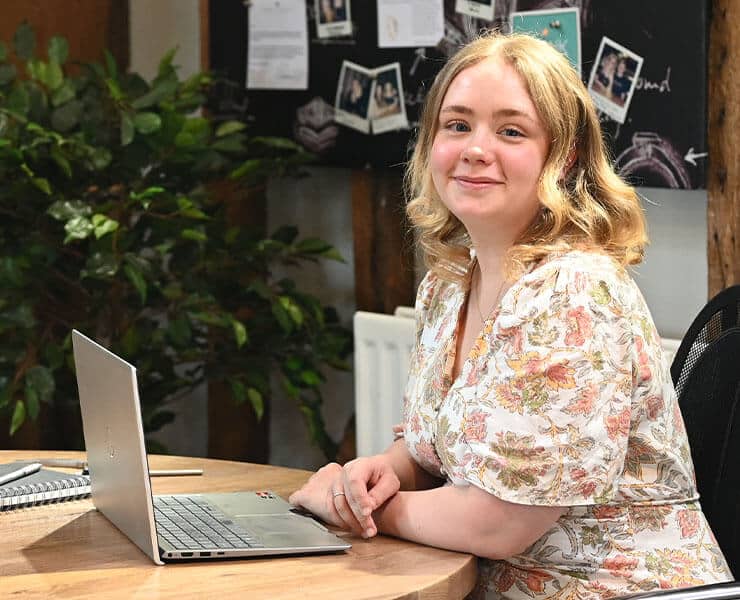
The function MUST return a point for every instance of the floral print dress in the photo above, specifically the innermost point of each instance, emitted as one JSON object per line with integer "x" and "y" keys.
{"x": 564, "y": 400}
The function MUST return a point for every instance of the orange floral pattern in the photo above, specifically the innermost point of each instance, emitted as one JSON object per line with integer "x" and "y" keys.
{"x": 564, "y": 400}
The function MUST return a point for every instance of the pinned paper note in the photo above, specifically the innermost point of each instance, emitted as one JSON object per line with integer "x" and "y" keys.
{"x": 410, "y": 23}
{"x": 277, "y": 52}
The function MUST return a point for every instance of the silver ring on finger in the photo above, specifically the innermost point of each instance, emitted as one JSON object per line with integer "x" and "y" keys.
{"x": 335, "y": 494}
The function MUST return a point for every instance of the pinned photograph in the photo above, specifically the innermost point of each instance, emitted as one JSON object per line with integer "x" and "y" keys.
{"x": 333, "y": 18}
{"x": 613, "y": 78}
{"x": 388, "y": 108}
{"x": 560, "y": 27}
{"x": 352, "y": 102}
{"x": 481, "y": 9}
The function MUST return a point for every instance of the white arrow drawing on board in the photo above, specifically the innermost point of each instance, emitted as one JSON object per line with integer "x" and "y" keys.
{"x": 421, "y": 54}
{"x": 691, "y": 156}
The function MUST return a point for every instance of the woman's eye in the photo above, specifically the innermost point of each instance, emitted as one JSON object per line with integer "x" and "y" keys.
{"x": 511, "y": 132}
{"x": 457, "y": 126}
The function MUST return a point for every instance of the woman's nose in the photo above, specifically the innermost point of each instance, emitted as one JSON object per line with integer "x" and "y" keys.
{"x": 477, "y": 151}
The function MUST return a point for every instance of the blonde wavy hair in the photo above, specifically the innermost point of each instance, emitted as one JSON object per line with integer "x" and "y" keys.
{"x": 588, "y": 208}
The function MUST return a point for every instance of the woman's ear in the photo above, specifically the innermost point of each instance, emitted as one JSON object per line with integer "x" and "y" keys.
{"x": 569, "y": 162}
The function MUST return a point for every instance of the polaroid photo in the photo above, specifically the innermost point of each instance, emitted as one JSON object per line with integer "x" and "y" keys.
{"x": 482, "y": 9}
{"x": 560, "y": 27}
{"x": 613, "y": 78}
{"x": 388, "y": 105}
{"x": 333, "y": 18}
{"x": 352, "y": 102}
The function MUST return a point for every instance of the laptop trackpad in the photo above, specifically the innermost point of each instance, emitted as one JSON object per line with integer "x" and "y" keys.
{"x": 287, "y": 530}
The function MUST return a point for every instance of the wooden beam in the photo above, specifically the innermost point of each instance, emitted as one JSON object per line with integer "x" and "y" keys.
{"x": 384, "y": 258}
{"x": 205, "y": 35}
{"x": 723, "y": 184}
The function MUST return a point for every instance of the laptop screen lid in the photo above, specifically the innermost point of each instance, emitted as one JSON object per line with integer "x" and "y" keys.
{"x": 114, "y": 439}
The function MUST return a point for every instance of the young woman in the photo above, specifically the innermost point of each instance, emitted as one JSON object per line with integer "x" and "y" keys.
{"x": 541, "y": 430}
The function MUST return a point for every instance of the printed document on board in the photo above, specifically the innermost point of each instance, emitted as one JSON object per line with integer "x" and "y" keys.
{"x": 277, "y": 51}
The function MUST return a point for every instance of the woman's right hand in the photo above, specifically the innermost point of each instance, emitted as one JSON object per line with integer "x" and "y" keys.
{"x": 347, "y": 496}
{"x": 367, "y": 483}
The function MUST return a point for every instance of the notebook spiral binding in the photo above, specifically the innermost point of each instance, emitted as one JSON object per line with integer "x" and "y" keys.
{"x": 66, "y": 487}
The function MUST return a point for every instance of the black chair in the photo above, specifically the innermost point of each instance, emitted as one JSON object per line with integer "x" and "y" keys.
{"x": 706, "y": 374}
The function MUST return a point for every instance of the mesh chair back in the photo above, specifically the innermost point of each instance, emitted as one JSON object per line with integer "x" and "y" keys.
{"x": 721, "y": 314}
{"x": 706, "y": 373}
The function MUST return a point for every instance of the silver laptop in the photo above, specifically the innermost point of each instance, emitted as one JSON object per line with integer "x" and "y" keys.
{"x": 175, "y": 527}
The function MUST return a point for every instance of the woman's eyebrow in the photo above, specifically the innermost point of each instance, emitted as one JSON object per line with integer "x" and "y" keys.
{"x": 502, "y": 112}
{"x": 456, "y": 108}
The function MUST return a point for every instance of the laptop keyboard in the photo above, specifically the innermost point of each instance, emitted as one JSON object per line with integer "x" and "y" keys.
{"x": 193, "y": 523}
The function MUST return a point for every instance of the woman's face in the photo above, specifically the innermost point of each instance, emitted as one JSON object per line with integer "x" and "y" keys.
{"x": 489, "y": 150}
{"x": 609, "y": 64}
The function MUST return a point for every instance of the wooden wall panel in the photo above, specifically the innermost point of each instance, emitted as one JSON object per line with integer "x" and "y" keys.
{"x": 89, "y": 25}
{"x": 384, "y": 258}
{"x": 723, "y": 185}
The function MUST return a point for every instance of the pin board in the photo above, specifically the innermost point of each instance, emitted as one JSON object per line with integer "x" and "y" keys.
{"x": 645, "y": 64}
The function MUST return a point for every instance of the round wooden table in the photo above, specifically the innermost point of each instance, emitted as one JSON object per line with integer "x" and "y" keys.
{"x": 69, "y": 550}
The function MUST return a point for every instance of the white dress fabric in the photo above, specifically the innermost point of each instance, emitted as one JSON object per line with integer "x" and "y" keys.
{"x": 564, "y": 400}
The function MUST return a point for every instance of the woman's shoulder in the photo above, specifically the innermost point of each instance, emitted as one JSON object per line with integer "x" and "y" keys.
{"x": 564, "y": 268}
{"x": 574, "y": 276}
{"x": 434, "y": 289}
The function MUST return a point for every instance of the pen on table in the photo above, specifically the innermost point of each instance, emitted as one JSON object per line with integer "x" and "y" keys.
{"x": 20, "y": 473}
{"x": 76, "y": 463}
{"x": 174, "y": 472}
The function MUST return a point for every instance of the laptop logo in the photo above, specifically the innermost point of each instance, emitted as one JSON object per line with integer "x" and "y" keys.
{"x": 109, "y": 443}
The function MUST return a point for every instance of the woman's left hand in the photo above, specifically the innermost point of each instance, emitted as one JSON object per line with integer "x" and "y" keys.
{"x": 321, "y": 494}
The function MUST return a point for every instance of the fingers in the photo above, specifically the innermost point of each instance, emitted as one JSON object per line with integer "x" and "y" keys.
{"x": 338, "y": 501}
{"x": 368, "y": 483}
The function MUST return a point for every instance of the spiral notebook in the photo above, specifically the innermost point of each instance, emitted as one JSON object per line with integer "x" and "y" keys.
{"x": 43, "y": 487}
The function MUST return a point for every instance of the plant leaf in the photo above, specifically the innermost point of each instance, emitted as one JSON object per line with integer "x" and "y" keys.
{"x": 7, "y": 73}
{"x": 240, "y": 333}
{"x": 41, "y": 381}
{"x": 311, "y": 378}
{"x": 257, "y": 402}
{"x": 276, "y": 143}
{"x": 64, "y": 94}
{"x": 137, "y": 279}
{"x": 67, "y": 117}
{"x": 19, "y": 415}
{"x": 295, "y": 312}
{"x": 100, "y": 265}
{"x": 147, "y": 122}
{"x": 238, "y": 390}
{"x": 78, "y": 228}
{"x": 18, "y": 100}
{"x": 54, "y": 76}
{"x": 24, "y": 42}
{"x": 103, "y": 225}
{"x": 64, "y": 210}
{"x": 127, "y": 129}
{"x": 110, "y": 64}
{"x": 159, "y": 92}
{"x": 58, "y": 49}
{"x": 165, "y": 64}
{"x": 229, "y": 127}
{"x": 32, "y": 403}
{"x": 193, "y": 234}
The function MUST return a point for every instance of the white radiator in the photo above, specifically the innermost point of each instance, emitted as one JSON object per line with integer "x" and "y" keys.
{"x": 383, "y": 345}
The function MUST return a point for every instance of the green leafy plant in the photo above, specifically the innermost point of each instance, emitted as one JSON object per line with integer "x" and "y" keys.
{"x": 109, "y": 223}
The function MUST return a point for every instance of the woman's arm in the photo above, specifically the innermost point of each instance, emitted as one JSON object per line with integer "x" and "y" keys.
{"x": 410, "y": 475}
{"x": 465, "y": 519}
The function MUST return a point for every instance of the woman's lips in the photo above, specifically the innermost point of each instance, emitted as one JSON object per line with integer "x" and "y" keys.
{"x": 476, "y": 182}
